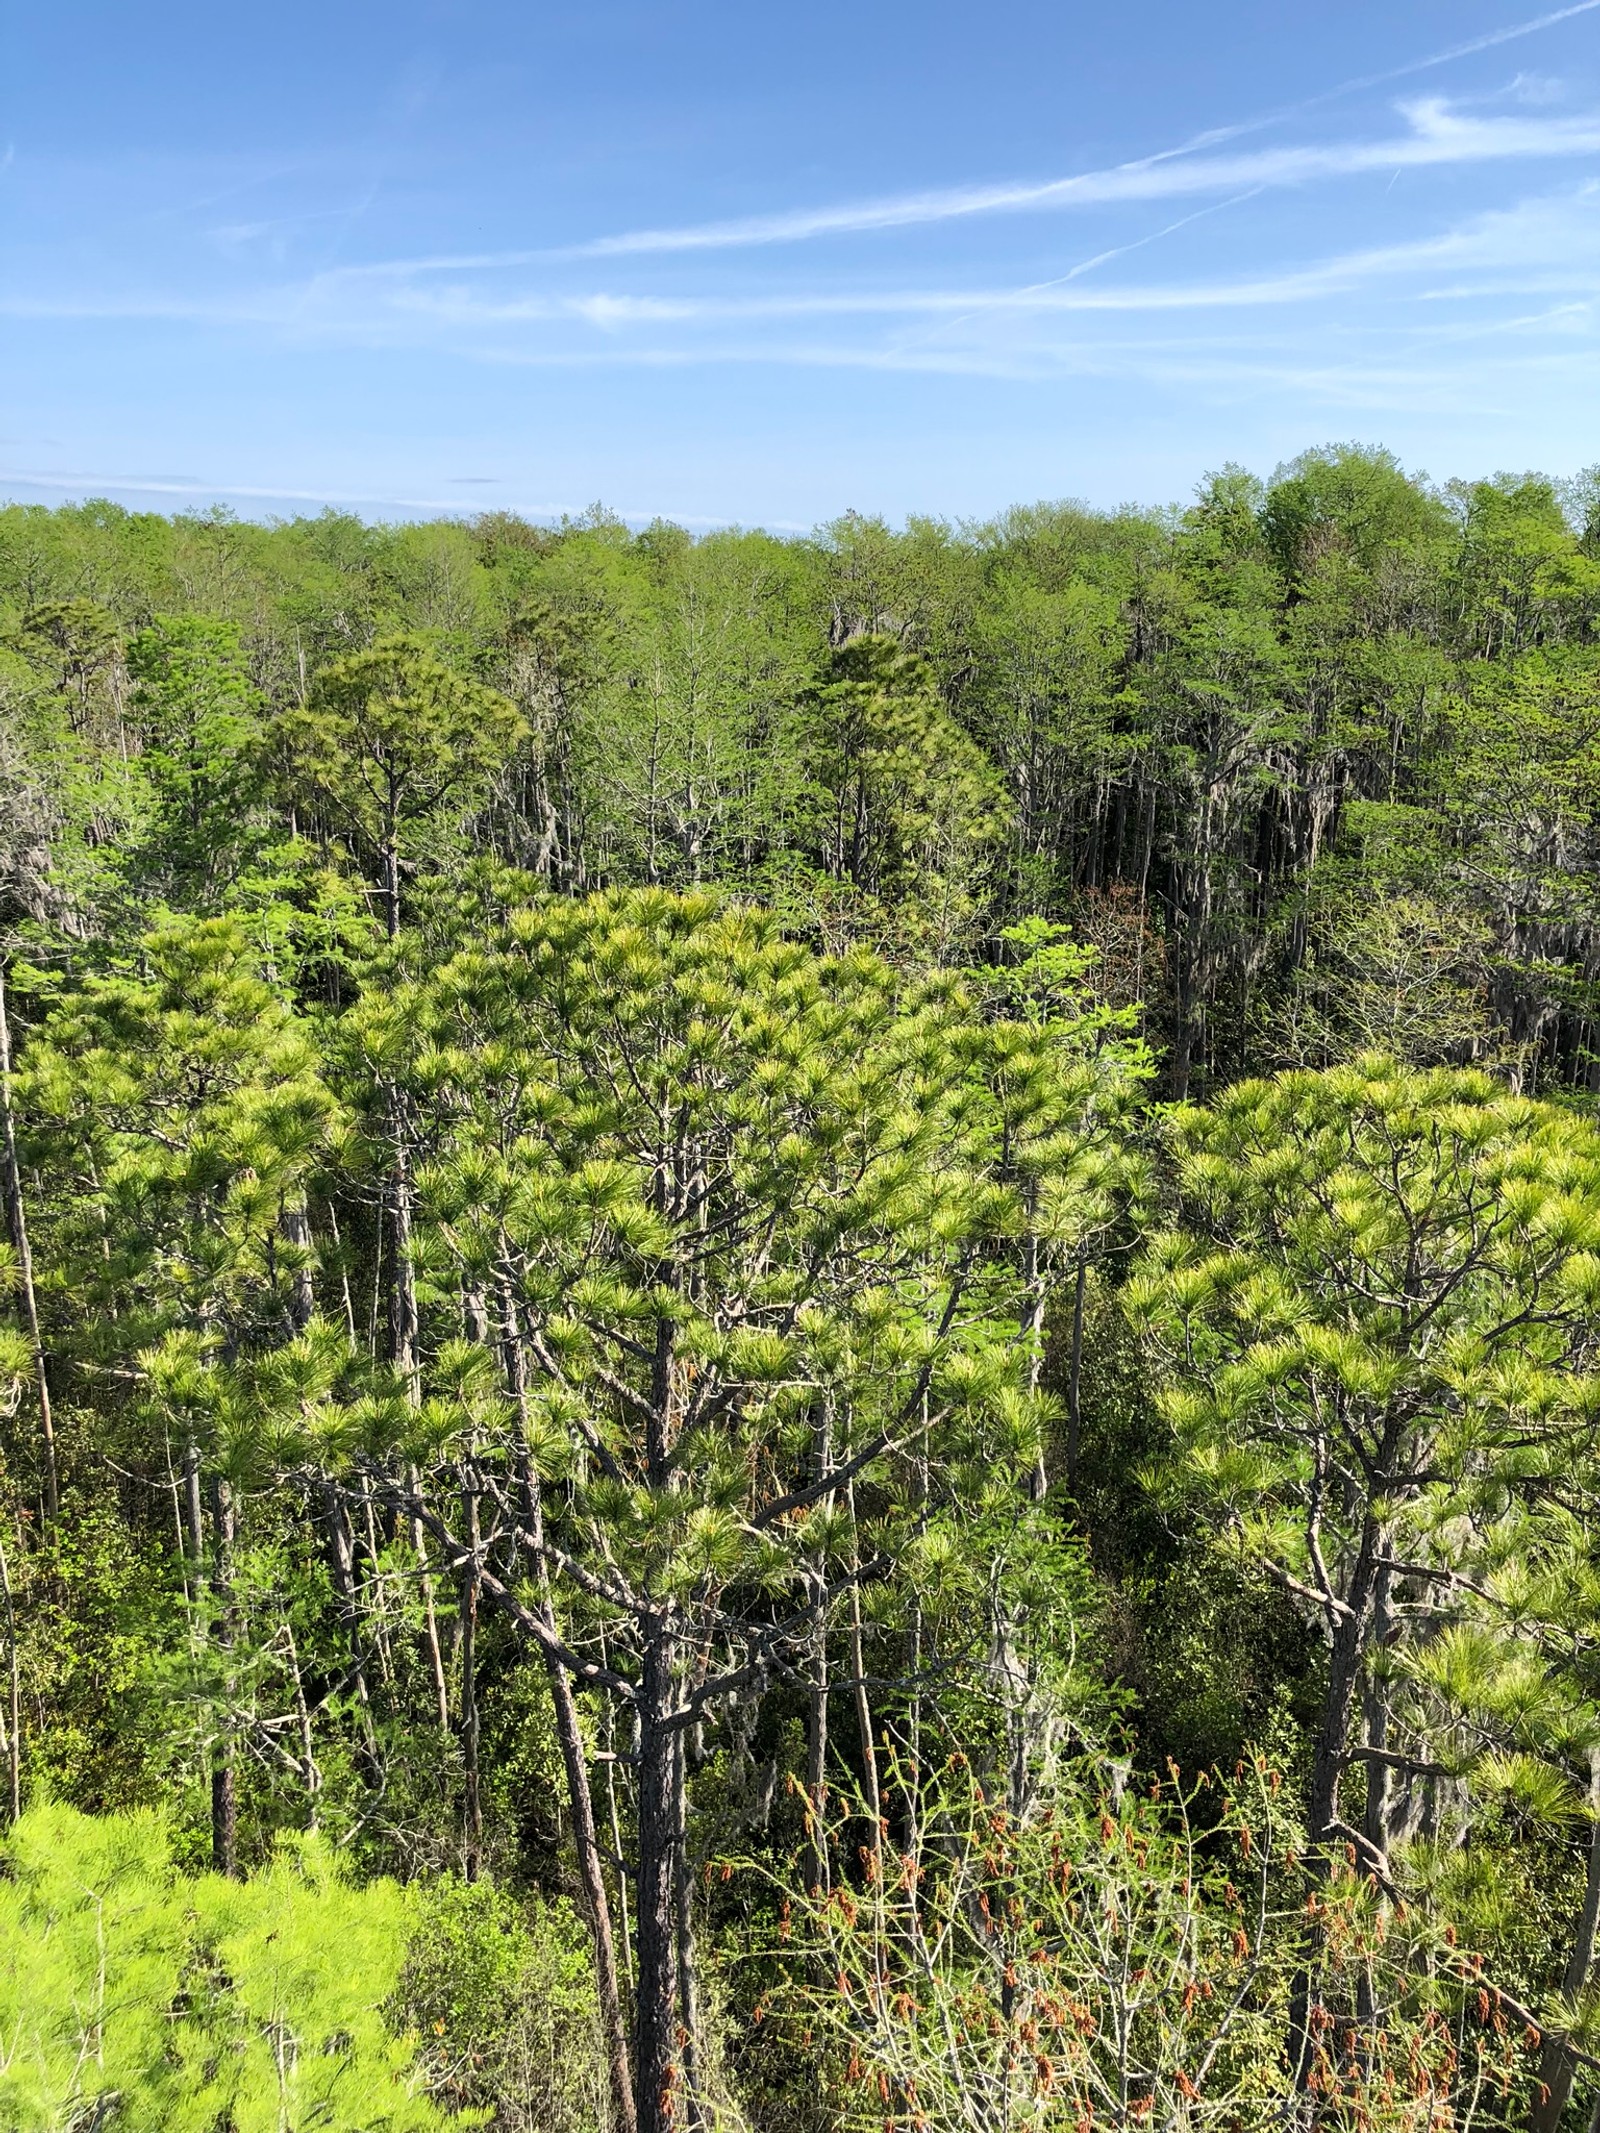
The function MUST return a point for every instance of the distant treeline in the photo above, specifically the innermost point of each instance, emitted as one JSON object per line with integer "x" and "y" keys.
{"x": 1311, "y": 763}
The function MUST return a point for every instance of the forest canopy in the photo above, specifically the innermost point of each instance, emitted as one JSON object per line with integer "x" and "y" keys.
{"x": 814, "y": 1323}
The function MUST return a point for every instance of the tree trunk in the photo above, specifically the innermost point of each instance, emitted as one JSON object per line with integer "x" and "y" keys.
{"x": 688, "y": 1976}
{"x": 308, "y": 1746}
{"x": 817, "y": 1701}
{"x": 17, "y": 1220}
{"x": 404, "y": 1337}
{"x": 1328, "y": 1761}
{"x": 817, "y": 1767}
{"x": 655, "y": 2061}
{"x": 1557, "y": 2066}
{"x": 586, "y": 1844}
{"x": 472, "y": 1797}
{"x": 1375, "y": 1715}
{"x": 13, "y": 1695}
{"x": 430, "y": 1613}
{"x": 871, "y": 1795}
{"x": 569, "y": 1735}
{"x": 391, "y": 889}
{"x": 192, "y": 1515}
{"x": 614, "y": 1815}
{"x": 1033, "y": 1282}
{"x": 404, "y": 1322}
{"x": 1075, "y": 1371}
{"x": 341, "y": 1568}
{"x": 1344, "y": 1679}
{"x": 224, "y": 1781}
{"x": 303, "y": 1298}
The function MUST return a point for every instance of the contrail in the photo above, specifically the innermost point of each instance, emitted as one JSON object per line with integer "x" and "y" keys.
{"x": 1145, "y": 177}
{"x": 1437, "y": 138}
{"x": 1095, "y": 185}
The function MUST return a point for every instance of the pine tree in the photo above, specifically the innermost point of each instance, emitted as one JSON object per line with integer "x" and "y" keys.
{"x": 730, "y": 1215}
{"x": 385, "y": 738}
{"x": 1381, "y": 1306}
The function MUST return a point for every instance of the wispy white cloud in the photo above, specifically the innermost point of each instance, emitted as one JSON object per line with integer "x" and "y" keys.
{"x": 1438, "y": 136}
{"x": 276, "y": 230}
{"x": 1411, "y": 68}
{"x": 1549, "y": 242}
{"x": 1489, "y": 42}
{"x": 88, "y": 482}
{"x": 1554, "y": 239}
{"x": 1537, "y": 89}
{"x": 1357, "y": 373}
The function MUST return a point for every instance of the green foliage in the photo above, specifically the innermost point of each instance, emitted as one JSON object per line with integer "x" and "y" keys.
{"x": 1348, "y": 501}
{"x": 184, "y": 1103}
{"x": 386, "y": 737}
{"x": 201, "y": 732}
{"x": 722, "y": 1253}
{"x": 97, "y": 1600}
{"x": 1370, "y": 1246}
{"x": 702, "y": 1149}
{"x": 502, "y": 1996}
{"x": 136, "y": 1997}
{"x": 905, "y": 804}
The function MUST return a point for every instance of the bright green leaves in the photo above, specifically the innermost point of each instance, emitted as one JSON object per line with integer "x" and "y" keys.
{"x": 184, "y": 2006}
{"x": 1380, "y": 1357}
{"x": 1350, "y": 506}
{"x": 1379, "y": 1220}
{"x": 182, "y": 1107}
{"x": 1407, "y": 1263}
{"x": 748, "y": 1217}
{"x": 186, "y": 1107}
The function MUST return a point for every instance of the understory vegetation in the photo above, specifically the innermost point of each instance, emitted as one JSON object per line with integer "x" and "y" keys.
{"x": 804, "y": 1334}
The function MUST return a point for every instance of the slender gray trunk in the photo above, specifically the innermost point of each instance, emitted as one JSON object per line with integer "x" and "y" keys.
{"x": 1331, "y": 1753}
{"x": 1033, "y": 1281}
{"x": 656, "y": 2069}
{"x": 586, "y": 1844}
{"x": 341, "y": 1568}
{"x": 404, "y": 1338}
{"x": 871, "y": 1793}
{"x": 1075, "y": 1371}
{"x": 430, "y": 1612}
{"x": 17, "y": 1219}
{"x": 224, "y": 1777}
{"x": 1345, "y": 1664}
{"x": 614, "y": 1812}
{"x": 13, "y": 1695}
{"x": 817, "y": 1714}
{"x": 1375, "y": 1713}
{"x": 308, "y": 1752}
{"x": 688, "y": 1975}
{"x": 569, "y": 1735}
{"x": 817, "y": 1767}
{"x": 404, "y": 1323}
{"x": 1557, "y": 2066}
{"x": 391, "y": 889}
{"x": 472, "y": 1797}
{"x": 303, "y": 1300}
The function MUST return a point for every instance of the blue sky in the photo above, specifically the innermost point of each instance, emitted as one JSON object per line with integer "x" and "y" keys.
{"x": 763, "y": 263}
